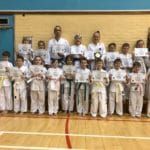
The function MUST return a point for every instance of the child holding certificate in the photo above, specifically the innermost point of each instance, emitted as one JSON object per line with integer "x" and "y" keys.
{"x": 69, "y": 85}
{"x": 137, "y": 79}
{"x": 110, "y": 56}
{"x": 99, "y": 78}
{"x": 5, "y": 84}
{"x": 82, "y": 79}
{"x": 25, "y": 50}
{"x": 126, "y": 57}
{"x": 117, "y": 78}
{"x": 78, "y": 50}
{"x": 41, "y": 51}
{"x": 19, "y": 74}
{"x": 37, "y": 90}
{"x": 54, "y": 77}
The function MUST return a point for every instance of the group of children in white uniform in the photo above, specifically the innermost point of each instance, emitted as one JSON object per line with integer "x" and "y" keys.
{"x": 75, "y": 77}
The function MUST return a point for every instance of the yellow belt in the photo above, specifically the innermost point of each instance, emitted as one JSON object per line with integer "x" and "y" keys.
{"x": 2, "y": 78}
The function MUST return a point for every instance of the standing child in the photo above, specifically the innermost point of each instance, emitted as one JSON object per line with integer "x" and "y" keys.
{"x": 68, "y": 91}
{"x": 137, "y": 80}
{"x": 54, "y": 76}
{"x": 42, "y": 52}
{"x": 78, "y": 50}
{"x": 37, "y": 72}
{"x": 19, "y": 75}
{"x": 82, "y": 77}
{"x": 96, "y": 47}
{"x": 127, "y": 62}
{"x": 117, "y": 77}
{"x": 5, "y": 84}
{"x": 99, "y": 79}
{"x": 110, "y": 56}
{"x": 126, "y": 57}
{"x": 26, "y": 51}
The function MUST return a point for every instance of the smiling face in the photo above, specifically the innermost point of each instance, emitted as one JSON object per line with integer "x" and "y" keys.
{"x": 55, "y": 63}
{"x": 99, "y": 65}
{"x": 96, "y": 37}
{"x": 38, "y": 60}
{"x": 117, "y": 65}
{"x": 69, "y": 61}
{"x": 84, "y": 63}
{"x": 41, "y": 45}
{"x": 19, "y": 62}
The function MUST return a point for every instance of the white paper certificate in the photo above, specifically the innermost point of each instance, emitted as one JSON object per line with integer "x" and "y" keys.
{"x": 98, "y": 75}
{"x": 15, "y": 72}
{"x": 37, "y": 69}
{"x": 119, "y": 76}
{"x": 41, "y": 52}
{"x": 3, "y": 66}
{"x": 24, "y": 47}
{"x": 111, "y": 56}
{"x": 76, "y": 51}
{"x": 137, "y": 78}
{"x": 58, "y": 49}
{"x": 141, "y": 52}
{"x": 69, "y": 69}
{"x": 79, "y": 77}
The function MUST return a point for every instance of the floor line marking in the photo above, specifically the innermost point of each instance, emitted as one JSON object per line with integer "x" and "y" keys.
{"x": 1, "y": 132}
{"x": 138, "y": 120}
{"x": 78, "y": 135}
{"x": 68, "y": 141}
{"x": 30, "y": 147}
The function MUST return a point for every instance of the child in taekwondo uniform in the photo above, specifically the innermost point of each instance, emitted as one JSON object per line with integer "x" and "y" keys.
{"x": 69, "y": 85}
{"x": 117, "y": 77}
{"x": 5, "y": 84}
{"x": 99, "y": 78}
{"x": 78, "y": 50}
{"x": 37, "y": 89}
{"x": 82, "y": 79}
{"x": 137, "y": 79}
{"x": 19, "y": 75}
{"x": 95, "y": 47}
{"x": 54, "y": 77}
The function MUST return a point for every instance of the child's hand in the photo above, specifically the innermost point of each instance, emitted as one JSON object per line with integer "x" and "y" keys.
{"x": 49, "y": 78}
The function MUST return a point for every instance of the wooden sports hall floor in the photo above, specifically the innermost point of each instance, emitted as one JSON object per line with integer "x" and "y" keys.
{"x": 43, "y": 132}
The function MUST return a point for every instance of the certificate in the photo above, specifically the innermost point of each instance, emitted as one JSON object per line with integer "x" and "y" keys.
{"x": 98, "y": 75}
{"x": 3, "y": 68}
{"x": 69, "y": 69}
{"x": 58, "y": 49}
{"x": 15, "y": 72}
{"x": 79, "y": 77}
{"x": 41, "y": 52}
{"x": 141, "y": 52}
{"x": 76, "y": 51}
{"x": 119, "y": 76}
{"x": 137, "y": 78}
{"x": 54, "y": 73}
{"x": 37, "y": 69}
{"x": 89, "y": 55}
{"x": 24, "y": 47}
{"x": 111, "y": 56}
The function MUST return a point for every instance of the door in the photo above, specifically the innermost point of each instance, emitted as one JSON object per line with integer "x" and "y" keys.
{"x": 7, "y": 35}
